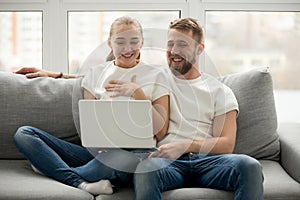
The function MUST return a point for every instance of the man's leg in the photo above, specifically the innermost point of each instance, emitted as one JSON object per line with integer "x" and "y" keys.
{"x": 156, "y": 175}
{"x": 239, "y": 173}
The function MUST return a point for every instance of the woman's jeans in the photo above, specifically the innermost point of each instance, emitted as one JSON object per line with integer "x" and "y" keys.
{"x": 239, "y": 173}
{"x": 72, "y": 164}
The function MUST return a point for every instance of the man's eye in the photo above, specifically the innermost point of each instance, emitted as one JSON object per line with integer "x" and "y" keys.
{"x": 182, "y": 45}
{"x": 170, "y": 44}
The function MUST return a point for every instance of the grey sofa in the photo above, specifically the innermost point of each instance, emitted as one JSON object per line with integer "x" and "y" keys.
{"x": 51, "y": 104}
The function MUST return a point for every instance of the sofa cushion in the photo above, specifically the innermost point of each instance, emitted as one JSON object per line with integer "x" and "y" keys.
{"x": 45, "y": 103}
{"x": 277, "y": 185}
{"x": 18, "y": 181}
{"x": 257, "y": 120}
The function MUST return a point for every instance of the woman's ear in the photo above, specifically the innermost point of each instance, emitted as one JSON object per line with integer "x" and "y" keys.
{"x": 109, "y": 42}
{"x": 142, "y": 43}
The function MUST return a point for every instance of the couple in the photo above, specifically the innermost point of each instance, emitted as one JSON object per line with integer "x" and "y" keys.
{"x": 194, "y": 123}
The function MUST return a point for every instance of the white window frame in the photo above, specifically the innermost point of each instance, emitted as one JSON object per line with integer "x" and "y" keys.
{"x": 55, "y": 47}
{"x": 55, "y": 19}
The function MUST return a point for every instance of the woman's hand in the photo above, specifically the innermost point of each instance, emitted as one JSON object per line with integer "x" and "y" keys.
{"x": 129, "y": 89}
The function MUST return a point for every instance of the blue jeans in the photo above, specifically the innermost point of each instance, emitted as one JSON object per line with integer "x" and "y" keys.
{"x": 69, "y": 163}
{"x": 239, "y": 173}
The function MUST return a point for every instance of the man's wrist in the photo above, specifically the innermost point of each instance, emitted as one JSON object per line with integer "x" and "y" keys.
{"x": 60, "y": 75}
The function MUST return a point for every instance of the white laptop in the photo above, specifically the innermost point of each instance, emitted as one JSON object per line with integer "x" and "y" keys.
{"x": 116, "y": 124}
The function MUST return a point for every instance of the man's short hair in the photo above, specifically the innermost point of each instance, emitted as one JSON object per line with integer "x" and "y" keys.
{"x": 187, "y": 24}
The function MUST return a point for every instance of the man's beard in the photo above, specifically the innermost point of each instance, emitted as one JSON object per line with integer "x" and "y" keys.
{"x": 182, "y": 69}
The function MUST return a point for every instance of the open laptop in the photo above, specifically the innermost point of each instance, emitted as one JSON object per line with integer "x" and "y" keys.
{"x": 116, "y": 124}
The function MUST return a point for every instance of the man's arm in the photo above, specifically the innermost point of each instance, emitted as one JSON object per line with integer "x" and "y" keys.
{"x": 224, "y": 136}
{"x": 222, "y": 142}
{"x": 32, "y": 72}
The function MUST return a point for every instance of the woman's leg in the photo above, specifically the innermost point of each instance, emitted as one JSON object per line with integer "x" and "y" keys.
{"x": 52, "y": 156}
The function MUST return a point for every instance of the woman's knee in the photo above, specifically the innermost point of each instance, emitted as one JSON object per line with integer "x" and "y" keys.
{"x": 21, "y": 135}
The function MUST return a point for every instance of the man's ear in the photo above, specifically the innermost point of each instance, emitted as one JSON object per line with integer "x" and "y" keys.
{"x": 200, "y": 48}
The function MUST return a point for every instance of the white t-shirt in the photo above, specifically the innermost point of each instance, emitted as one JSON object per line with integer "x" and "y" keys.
{"x": 194, "y": 105}
{"x": 152, "y": 79}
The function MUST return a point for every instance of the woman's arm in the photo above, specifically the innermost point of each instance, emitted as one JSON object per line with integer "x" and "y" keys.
{"x": 160, "y": 107}
{"x": 88, "y": 95}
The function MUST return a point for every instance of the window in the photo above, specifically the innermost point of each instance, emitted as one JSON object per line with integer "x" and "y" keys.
{"x": 20, "y": 40}
{"x": 89, "y": 30}
{"x": 259, "y": 39}
{"x": 62, "y": 35}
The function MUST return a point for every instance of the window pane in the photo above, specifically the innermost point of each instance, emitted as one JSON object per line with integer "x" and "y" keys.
{"x": 240, "y": 40}
{"x": 20, "y": 40}
{"x": 237, "y": 41}
{"x": 88, "y": 30}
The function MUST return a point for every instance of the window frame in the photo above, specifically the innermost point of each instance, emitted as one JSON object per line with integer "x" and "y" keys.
{"x": 55, "y": 13}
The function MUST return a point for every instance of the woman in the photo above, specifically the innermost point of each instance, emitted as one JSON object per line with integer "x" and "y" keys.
{"x": 125, "y": 76}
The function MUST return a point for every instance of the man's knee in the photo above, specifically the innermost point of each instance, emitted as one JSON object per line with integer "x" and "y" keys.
{"x": 152, "y": 165}
{"x": 249, "y": 166}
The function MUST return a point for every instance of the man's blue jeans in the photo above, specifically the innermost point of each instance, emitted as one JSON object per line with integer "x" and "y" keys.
{"x": 69, "y": 163}
{"x": 239, "y": 173}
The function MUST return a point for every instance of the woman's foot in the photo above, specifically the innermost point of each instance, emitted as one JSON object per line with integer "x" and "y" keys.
{"x": 36, "y": 170}
{"x": 100, "y": 187}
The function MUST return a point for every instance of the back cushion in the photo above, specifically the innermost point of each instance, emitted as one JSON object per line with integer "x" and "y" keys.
{"x": 45, "y": 103}
{"x": 257, "y": 120}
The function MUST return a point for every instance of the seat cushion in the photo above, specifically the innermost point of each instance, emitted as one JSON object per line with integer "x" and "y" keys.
{"x": 257, "y": 120}
{"x": 18, "y": 181}
{"x": 277, "y": 185}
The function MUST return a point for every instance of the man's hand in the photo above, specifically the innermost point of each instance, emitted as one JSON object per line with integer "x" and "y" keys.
{"x": 32, "y": 72}
{"x": 171, "y": 151}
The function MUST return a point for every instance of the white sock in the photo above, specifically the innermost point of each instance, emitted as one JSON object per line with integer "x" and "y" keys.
{"x": 100, "y": 187}
{"x": 36, "y": 170}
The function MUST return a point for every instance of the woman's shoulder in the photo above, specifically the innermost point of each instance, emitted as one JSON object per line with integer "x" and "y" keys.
{"x": 99, "y": 67}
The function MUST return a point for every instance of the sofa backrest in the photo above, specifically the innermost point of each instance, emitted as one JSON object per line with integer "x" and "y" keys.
{"x": 52, "y": 105}
{"x": 45, "y": 103}
{"x": 257, "y": 119}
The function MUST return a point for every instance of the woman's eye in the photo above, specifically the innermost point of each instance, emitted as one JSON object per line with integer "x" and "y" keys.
{"x": 134, "y": 43}
{"x": 120, "y": 43}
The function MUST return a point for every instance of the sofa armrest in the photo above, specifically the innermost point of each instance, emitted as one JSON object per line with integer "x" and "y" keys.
{"x": 289, "y": 136}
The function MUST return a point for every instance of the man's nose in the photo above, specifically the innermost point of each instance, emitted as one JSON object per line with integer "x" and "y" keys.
{"x": 175, "y": 50}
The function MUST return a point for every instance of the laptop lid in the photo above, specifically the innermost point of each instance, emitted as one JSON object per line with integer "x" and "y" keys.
{"x": 116, "y": 124}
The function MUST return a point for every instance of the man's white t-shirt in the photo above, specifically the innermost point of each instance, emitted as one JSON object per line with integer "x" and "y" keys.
{"x": 193, "y": 106}
{"x": 152, "y": 79}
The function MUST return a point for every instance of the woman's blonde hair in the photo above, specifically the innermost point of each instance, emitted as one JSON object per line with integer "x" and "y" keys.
{"x": 122, "y": 21}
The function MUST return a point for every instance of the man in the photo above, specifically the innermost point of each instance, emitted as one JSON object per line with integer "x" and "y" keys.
{"x": 197, "y": 150}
